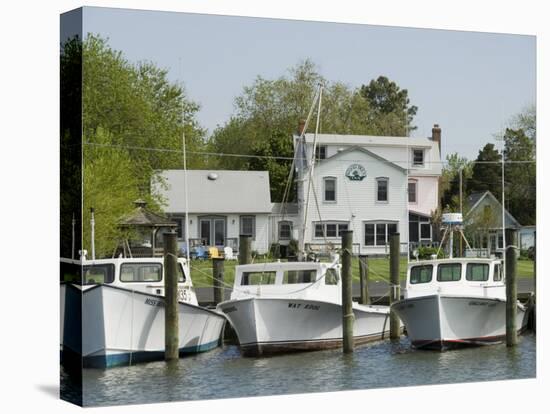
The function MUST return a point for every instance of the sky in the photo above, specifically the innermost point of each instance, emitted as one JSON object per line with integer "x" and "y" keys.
{"x": 470, "y": 83}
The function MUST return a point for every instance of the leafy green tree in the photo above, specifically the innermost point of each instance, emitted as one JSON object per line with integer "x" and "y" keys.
{"x": 130, "y": 127}
{"x": 450, "y": 181}
{"x": 487, "y": 172}
{"x": 520, "y": 175}
{"x": 391, "y": 108}
{"x": 270, "y": 110}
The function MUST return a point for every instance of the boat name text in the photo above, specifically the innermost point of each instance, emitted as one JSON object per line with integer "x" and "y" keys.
{"x": 306, "y": 306}
{"x": 154, "y": 302}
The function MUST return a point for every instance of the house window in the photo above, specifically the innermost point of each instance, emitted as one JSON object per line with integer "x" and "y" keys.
{"x": 285, "y": 230}
{"x": 321, "y": 152}
{"x": 248, "y": 226}
{"x": 418, "y": 157}
{"x": 425, "y": 231}
{"x": 329, "y": 189}
{"x": 382, "y": 189}
{"x": 329, "y": 229}
{"x": 412, "y": 191}
{"x": 377, "y": 233}
{"x": 180, "y": 229}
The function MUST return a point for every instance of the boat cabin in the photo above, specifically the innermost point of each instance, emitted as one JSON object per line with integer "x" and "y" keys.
{"x": 461, "y": 276}
{"x": 296, "y": 280}
{"x": 137, "y": 274}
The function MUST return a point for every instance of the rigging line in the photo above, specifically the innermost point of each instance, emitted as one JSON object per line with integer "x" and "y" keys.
{"x": 312, "y": 161}
{"x": 234, "y": 155}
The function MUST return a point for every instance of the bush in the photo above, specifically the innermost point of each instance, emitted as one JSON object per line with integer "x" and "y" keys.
{"x": 425, "y": 253}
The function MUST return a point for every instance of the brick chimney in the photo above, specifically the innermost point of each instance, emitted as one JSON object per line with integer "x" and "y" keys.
{"x": 436, "y": 136}
{"x": 301, "y": 126}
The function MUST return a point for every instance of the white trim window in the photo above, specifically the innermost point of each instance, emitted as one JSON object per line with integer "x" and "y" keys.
{"x": 248, "y": 226}
{"x": 180, "y": 230}
{"x": 329, "y": 189}
{"x": 377, "y": 233}
{"x": 382, "y": 186}
{"x": 412, "y": 190}
{"x": 418, "y": 157}
{"x": 320, "y": 152}
{"x": 329, "y": 229}
{"x": 285, "y": 230}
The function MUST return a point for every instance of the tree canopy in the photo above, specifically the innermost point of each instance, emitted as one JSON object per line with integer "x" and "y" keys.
{"x": 268, "y": 111}
{"x": 131, "y": 128}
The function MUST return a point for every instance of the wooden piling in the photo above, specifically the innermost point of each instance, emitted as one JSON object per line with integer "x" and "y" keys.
{"x": 171, "y": 323}
{"x": 395, "y": 287}
{"x": 245, "y": 249}
{"x": 347, "y": 307}
{"x": 364, "y": 279}
{"x": 511, "y": 296}
{"x": 218, "y": 273}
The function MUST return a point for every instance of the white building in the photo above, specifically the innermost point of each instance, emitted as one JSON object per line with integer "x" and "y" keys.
{"x": 372, "y": 185}
{"x": 221, "y": 206}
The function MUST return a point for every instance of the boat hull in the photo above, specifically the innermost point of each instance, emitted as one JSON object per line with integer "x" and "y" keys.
{"x": 443, "y": 321}
{"x": 268, "y": 326}
{"x": 119, "y": 327}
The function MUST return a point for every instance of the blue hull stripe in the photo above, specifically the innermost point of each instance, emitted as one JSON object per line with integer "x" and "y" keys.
{"x": 123, "y": 359}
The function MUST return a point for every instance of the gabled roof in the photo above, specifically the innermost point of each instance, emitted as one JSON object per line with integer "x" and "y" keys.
{"x": 216, "y": 191}
{"x": 373, "y": 140}
{"x": 366, "y": 151}
{"x": 141, "y": 217}
{"x": 475, "y": 200}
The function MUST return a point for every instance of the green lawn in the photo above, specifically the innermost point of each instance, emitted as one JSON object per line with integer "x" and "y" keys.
{"x": 201, "y": 270}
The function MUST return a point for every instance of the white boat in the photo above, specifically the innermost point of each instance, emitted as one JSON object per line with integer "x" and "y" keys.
{"x": 116, "y": 315}
{"x": 456, "y": 302}
{"x": 295, "y": 306}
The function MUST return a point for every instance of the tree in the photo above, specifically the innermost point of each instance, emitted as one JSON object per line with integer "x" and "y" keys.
{"x": 390, "y": 105}
{"x": 520, "y": 175}
{"x": 131, "y": 127}
{"x": 270, "y": 110}
{"x": 449, "y": 187}
{"x": 487, "y": 172}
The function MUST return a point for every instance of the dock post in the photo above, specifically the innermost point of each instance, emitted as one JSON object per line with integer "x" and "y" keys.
{"x": 511, "y": 288}
{"x": 245, "y": 249}
{"x": 171, "y": 323}
{"x": 347, "y": 307}
{"x": 364, "y": 279}
{"x": 218, "y": 270}
{"x": 395, "y": 287}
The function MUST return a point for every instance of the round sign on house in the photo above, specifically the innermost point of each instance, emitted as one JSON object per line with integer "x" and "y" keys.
{"x": 356, "y": 172}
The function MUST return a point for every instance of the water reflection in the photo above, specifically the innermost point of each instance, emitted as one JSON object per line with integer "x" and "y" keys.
{"x": 223, "y": 373}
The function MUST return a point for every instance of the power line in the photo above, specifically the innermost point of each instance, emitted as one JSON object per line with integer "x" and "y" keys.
{"x": 233, "y": 155}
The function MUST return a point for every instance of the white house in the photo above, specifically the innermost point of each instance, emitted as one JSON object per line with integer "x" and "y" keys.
{"x": 372, "y": 185}
{"x": 221, "y": 206}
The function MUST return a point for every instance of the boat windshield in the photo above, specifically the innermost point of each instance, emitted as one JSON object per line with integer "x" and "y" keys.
{"x": 477, "y": 272}
{"x": 331, "y": 277}
{"x": 299, "y": 276}
{"x": 99, "y": 273}
{"x": 258, "y": 278}
{"x": 421, "y": 274}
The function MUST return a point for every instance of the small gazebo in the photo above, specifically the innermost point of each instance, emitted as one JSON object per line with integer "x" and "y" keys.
{"x": 145, "y": 227}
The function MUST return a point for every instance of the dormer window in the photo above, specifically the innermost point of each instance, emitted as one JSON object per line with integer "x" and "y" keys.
{"x": 321, "y": 152}
{"x": 418, "y": 157}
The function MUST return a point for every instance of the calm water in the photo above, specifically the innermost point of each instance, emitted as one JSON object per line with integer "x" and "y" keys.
{"x": 223, "y": 373}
